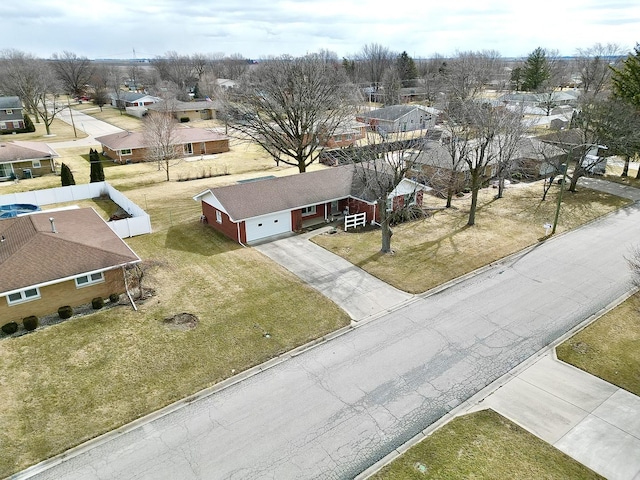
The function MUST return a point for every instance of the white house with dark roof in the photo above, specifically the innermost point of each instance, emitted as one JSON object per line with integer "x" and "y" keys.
{"x": 52, "y": 259}
{"x": 253, "y": 211}
{"x": 132, "y": 99}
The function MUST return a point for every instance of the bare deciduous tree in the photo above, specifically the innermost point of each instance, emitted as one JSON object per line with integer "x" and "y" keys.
{"x": 289, "y": 105}
{"x": 162, "y": 139}
{"x": 467, "y": 73}
{"x": 593, "y": 65}
{"x": 634, "y": 264}
{"x": 74, "y": 72}
{"x": 375, "y": 60}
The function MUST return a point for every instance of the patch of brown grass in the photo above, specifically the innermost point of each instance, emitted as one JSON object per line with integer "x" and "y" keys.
{"x": 436, "y": 249}
{"x": 608, "y": 348}
{"x": 483, "y": 445}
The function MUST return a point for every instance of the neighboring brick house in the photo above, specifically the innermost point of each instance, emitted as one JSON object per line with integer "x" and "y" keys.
{"x": 253, "y": 211}
{"x": 26, "y": 160}
{"x": 11, "y": 116}
{"x": 52, "y": 259}
{"x": 196, "y": 110}
{"x": 131, "y": 147}
{"x": 345, "y": 135}
{"x": 400, "y": 118}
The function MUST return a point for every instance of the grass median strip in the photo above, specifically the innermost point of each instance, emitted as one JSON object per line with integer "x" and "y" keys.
{"x": 442, "y": 247}
{"x": 483, "y": 445}
{"x": 608, "y": 348}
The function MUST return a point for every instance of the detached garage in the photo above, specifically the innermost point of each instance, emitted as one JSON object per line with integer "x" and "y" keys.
{"x": 252, "y": 211}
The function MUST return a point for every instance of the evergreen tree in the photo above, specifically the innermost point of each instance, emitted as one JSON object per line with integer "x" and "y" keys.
{"x": 536, "y": 70}
{"x": 406, "y": 68}
{"x": 626, "y": 80}
{"x": 97, "y": 172}
{"x": 66, "y": 176}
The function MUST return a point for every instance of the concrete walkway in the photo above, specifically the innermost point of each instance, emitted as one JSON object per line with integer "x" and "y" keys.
{"x": 596, "y": 423}
{"x": 357, "y": 292}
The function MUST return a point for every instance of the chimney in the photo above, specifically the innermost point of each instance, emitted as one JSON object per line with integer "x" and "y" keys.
{"x": 53, "y": 225}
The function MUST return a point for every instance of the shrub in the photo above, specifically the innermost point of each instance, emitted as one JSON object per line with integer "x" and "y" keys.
{"x": 97, "y": 303}
{"x": 30, "y": 322}
{"x": 114, "y": 297}
{"x": 65, "y": 312}
{"x": 9, "y": 328}
{"x": 184, "y": 119}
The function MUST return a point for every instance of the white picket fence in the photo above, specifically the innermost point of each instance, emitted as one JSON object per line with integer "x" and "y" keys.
{"x": 355, "y": 220}
{"x": 138, "y": 224}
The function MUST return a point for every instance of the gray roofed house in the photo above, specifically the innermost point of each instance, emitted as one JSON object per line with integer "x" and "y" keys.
{"x": 400, "y": 118}
{"x": 196, "y": 110}
{"x": 252, "y": 211}
{"x": 132, "y": 99}
{"x": 11, "y": 114}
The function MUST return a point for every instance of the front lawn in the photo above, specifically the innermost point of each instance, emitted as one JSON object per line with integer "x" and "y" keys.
{"x": 439, "y": 248}
{"x": 64, "y": 384}
{"x": 484, "y": 445}
{"x": 60, "y": 131}
{"x": 608, "y": 348}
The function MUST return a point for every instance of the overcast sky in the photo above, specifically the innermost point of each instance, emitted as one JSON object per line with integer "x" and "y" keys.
{"x": 259, "y": 28}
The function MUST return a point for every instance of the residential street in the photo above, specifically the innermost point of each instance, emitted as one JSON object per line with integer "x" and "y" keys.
{"x": 336, "y": 409}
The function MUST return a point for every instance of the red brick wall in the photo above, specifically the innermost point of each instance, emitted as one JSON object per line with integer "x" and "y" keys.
{"x": 227, "y": 227}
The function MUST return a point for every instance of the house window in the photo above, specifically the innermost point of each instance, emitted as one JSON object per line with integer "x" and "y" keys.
{"x": 3, "y": 126}
{"x": 188, "y": 149}
{"x": 389, "y": 204}
{"x": 218, "y": 217}
{"x": 125, "y": 151}
{"x": 36, "y": 164}
{"x": 9, "y": 111}
{"x": 307, "y": 211}
{"x": 86, "y": 280}
{"x": 5, "y": 170}
{"x": 23, "y": 296}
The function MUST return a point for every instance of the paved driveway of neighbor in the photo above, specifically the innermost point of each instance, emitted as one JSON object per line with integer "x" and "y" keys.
{"x": 357, "y": 292}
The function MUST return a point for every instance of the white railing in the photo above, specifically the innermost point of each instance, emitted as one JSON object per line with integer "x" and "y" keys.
{"x": 355, "y": 220}
{"x": 138, "y": 224}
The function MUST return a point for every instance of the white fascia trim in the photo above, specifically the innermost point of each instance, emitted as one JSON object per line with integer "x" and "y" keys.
{"x": 60, "y": 280}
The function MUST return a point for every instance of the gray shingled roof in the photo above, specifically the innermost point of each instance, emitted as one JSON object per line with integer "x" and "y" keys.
{"x": 253, "y": 199}
{"x": 31, "y": 254}
{"x": 393, "y": 112}
{"x": 10, "y": 102}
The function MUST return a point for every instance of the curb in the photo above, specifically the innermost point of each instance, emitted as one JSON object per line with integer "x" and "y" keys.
{"x": 473, "y": 403}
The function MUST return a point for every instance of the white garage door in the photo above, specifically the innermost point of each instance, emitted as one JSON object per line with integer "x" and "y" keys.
{"x": 268, "y": 225}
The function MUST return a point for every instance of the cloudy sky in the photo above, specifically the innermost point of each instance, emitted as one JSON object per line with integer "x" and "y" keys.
{"x": 259, "y": 28}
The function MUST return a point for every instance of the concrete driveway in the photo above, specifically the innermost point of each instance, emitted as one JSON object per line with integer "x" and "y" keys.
{"x": 357, "y": 292}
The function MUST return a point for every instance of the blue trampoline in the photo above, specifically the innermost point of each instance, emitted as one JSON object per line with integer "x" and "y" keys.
{"x": 10, "y": 211}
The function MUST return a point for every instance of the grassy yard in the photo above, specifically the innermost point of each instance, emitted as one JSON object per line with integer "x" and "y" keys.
{"x": 608, "y": 348}
{"x": 439, "y": 248}
{"x": 60, "y": 130}
{"x": 67, "y": 383}
{"x": 484, "y": 445}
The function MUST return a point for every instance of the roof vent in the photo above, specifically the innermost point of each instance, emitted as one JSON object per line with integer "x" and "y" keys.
{"x": 53, "y": 225}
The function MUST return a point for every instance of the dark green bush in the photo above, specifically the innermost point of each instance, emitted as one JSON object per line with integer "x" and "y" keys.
{"x": 30, "y": 323}
{"x": 184, "y": 119}
{"x": 114, "y": 297}
{"x": 65, "y": 312}
{"x": 9, "y": 328}
{"x": 97, "y": 303}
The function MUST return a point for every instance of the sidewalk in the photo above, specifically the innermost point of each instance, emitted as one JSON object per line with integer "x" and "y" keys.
{"x": 596, "y": 423}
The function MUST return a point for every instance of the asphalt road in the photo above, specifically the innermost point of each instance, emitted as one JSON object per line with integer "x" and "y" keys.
{"x": 336, "y": 409}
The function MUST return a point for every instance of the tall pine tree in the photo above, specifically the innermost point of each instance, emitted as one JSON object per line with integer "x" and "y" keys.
{"x": 626, "y": 80}
{"x": 536, "y": 70}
